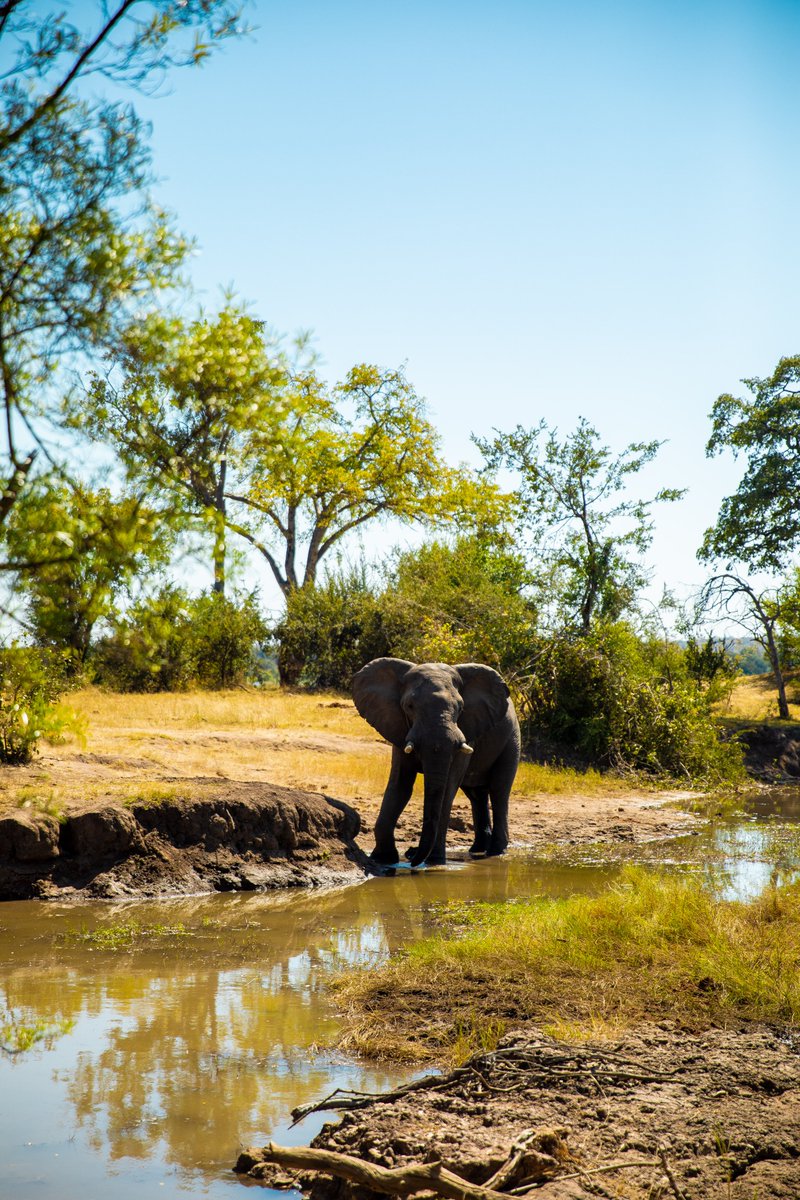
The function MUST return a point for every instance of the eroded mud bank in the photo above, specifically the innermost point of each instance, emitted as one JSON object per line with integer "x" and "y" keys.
{"x": 216, "y": 837}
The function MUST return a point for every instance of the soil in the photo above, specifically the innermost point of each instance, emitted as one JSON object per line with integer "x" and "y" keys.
{"x": 240, "y": 836}
{"x": 724, "y": 1106}
{"x": 223, "y": 834}
{"x": 771, "y": 752}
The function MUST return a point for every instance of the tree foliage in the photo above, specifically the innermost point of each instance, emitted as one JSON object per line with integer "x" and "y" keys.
{"x": 759, "y": 525}
{"x": 461, "y": 601}
{"x": 330, "y": 629}
{"x": 616, "y": 699}
{"x": 171, "y": 641}
{"x": 183, "y": 404}
{"x": 80, "y": 240}
{"x": 90, "y": 548}
{"x": 587, "y": 535}
{"x": 359, "y": 452}
{"x": 759, "y": 611}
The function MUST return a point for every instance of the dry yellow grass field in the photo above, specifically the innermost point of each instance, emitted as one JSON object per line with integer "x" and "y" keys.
{"x": 144, "y": 746}
{"x": 754, "y": 698}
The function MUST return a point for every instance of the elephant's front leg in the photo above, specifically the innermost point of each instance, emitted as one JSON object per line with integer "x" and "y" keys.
{"x": 438, "y": 855}
{"x": 395, "y": 798}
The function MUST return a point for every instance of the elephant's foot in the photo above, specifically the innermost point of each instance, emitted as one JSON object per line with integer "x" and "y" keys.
{"x": 480, "y": 847}
{"x": 433, "y": 859}
{"x": 496, "y": 849}
{"x": 385, "y": 858}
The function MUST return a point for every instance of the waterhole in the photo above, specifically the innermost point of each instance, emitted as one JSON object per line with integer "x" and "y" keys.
{"x": 145, "y": 1044}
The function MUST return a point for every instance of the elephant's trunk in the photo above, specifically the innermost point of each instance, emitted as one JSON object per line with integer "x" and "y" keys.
{"x": 436, "y": 776}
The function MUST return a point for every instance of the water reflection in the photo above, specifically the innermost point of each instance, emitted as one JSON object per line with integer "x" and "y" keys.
{"x": 186, "y": 1045}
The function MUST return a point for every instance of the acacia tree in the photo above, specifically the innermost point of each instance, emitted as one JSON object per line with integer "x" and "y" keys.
{"x": 183, "y": 405}
{"x": 80, "y": 241}
{"x": 759, "y": 612}
{"x": 572, "y": 509}
{"x": 759, "y": 525}
{"x": 341, "y": 457}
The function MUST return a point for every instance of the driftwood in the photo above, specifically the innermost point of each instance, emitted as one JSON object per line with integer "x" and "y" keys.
{"x": 433, "y": 1177}
{"x": 394, "y": 1181}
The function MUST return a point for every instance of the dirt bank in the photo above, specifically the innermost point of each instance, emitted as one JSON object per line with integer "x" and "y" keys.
{"x": 213, "y": 835}
{"x": 723, "y": 1105}
{"x": 209, "y": 837}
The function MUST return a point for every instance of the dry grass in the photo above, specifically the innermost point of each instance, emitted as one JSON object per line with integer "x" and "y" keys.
{"x": 649, "y": 947}
{"x": 754, "y": 698}
{"x": 316, "y": 742}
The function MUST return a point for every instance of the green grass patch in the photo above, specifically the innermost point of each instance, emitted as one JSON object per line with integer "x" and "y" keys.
{"x": 126, "y": 935}
{"x": 650, "y": 947}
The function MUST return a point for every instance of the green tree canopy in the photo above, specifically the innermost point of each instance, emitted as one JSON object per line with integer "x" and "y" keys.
{"x": 183, "y": 404}
{"x": 80, "y": 240}
{"x": 572, "y": 509}
{"x": 759, "y": 525}
{"x": 361, "y": 451}
{"x": 89, "y": 548}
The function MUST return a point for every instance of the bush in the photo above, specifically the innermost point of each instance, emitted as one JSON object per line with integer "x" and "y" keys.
{"x": 222, "y": 639}
{"x": 149, "y": 648}
{"x": 329, "y": 631}
{"x": 31, "y": 682}
{"x": 170, "y": 642}
{"x": 460, "y": 602}
{"x": 616, "y": 700}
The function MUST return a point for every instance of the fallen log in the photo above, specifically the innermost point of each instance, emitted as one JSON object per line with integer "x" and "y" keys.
{"x": 393, "y": 1181}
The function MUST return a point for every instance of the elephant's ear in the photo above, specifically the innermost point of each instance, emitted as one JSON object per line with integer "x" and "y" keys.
{"x": 377, "y": 688}
{"x": 485, "y": 697}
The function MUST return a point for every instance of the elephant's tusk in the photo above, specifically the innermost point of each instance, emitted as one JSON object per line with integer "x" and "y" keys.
{"x": 465, "y": 749}
{"x": 408, "y": 748}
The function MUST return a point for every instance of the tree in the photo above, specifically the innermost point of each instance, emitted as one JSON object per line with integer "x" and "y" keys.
{"x": 183, "y": 404}
{"x": 80, "y": 241}
{"x": 759, "y": 525}
{"x": 758, "y": 611}
{"x": 118, "y": 540}
{"x": 362, "y": 451}
{"x": 461, "y": 601}
{"x": 571, "y": 508}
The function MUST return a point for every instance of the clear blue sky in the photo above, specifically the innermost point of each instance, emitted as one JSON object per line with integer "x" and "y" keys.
{"x": 548, "y": 210}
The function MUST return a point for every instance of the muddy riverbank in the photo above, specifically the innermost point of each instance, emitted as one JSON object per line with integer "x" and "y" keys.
{"x": 210, "y": 835}
{"x": 721, "y": 1106}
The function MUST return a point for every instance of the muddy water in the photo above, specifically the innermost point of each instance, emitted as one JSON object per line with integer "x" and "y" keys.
{"x": 180, "y": 1031}
{"x": 170, "y": 1035}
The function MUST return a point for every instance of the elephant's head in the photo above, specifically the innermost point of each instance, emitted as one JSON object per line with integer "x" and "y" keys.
{"x": 436, "y": 713}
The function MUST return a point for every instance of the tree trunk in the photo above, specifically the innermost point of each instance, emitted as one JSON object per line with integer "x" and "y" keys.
{"x": 219, "y": 530}
{"x": 780, "y": 683}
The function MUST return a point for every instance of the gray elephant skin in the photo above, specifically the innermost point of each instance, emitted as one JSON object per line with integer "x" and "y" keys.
{"x": 456, "y": 725}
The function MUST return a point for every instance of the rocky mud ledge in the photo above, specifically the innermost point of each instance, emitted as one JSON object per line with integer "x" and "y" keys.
{"x": 663, "y": 1113}
{"x": 217, "y": 837}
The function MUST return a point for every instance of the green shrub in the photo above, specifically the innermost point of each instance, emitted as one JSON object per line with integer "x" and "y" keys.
{"x": 460, "y": 602}
{"x": 617, "y": 700}
{"x": 148, "y": 649}
{"x": 222, "y": 639}
{"x": 171, "y": 641}
{"x": 31, "y": 682}
{"x": 329, "y": 631}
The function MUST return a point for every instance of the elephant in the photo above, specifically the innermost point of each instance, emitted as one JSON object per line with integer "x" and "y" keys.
{"x": 455, "y": 724}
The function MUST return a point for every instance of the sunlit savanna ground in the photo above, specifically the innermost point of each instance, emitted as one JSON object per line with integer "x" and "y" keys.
{"x": 143, "y": 746}
{"x": 754, "y": 698}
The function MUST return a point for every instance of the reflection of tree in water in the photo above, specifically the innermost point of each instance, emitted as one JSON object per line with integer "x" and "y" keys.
{"x": 211, "y": 1040}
